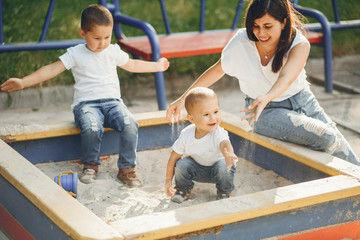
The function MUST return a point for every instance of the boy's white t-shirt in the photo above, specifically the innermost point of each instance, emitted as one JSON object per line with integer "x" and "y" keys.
{"x": 206, "y": 150}
{"x": 95, "y": 73}
{"x": 241, "y": 59}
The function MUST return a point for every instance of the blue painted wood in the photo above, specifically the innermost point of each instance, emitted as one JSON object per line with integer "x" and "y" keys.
{"x": 160, "y": 136}
{"x": 270, "y": 160}
{"x": 68, "y": 147}
{"x": 49, "y": 149}
{"x": 29, "y": 216}
{"x": 312, "y": 217}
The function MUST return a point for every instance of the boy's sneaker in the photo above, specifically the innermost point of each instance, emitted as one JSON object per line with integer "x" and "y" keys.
{"x": 221, "y": 195}
{"x": 128, "y": 176}
{"x": 180, "y": 196}
{"x": 89, "y": 173}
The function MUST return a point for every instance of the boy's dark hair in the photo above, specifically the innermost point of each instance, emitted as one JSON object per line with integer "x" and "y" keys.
{"x": 280, "y": 10}
{"x": 196, "y": 95}
{"x": 95, "y": 14}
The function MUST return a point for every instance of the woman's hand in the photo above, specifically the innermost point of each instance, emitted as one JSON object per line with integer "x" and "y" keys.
{"x": 255, "y": 109}
{"x": 173, "y": 113}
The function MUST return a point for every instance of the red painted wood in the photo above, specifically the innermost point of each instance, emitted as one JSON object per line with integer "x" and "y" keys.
{"x": 181, "y": 44}
{"x": 314, "y": 37}
{"x": 349, "y": 231}
{"x": 189, "y": 44}
{"x": 12, "y": 227}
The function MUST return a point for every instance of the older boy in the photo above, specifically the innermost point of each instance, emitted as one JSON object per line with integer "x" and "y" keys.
{"x": 97, "y": 102}
{"x": 203, "y": 151}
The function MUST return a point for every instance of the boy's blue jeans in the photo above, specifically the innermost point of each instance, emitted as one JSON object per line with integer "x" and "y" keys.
{"x": 92, "y": 116}
{"x": 187, "y": 170}
{"x": 300, "y": 119}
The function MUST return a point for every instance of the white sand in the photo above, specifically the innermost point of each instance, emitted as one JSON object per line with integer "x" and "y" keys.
{"x": 111, "y": 200}
{"x": 107, "y": 197}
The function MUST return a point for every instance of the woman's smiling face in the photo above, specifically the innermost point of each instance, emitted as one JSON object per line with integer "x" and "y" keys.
{"x": 268, "y": 30}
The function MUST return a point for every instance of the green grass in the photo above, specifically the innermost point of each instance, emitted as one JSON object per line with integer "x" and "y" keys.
{"x": 23, "y": 20}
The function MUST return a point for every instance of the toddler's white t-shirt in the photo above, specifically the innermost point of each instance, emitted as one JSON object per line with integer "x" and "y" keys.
{"x": 206, "y": 150}
{"x": 95, "y": 73}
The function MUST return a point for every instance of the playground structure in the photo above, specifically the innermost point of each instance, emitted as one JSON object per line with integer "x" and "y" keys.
{"x": 152, "y": 46}
{"x": 323, "y": 201}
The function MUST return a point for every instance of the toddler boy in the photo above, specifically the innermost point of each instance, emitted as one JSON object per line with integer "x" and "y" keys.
{"x": 203, "y": 151}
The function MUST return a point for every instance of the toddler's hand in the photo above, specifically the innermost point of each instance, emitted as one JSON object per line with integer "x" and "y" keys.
{"x": 12, "y": 84}
{"x": 168, "y": 190}
{"x": 164, "y": 64}
{"x": 230, "y": 159}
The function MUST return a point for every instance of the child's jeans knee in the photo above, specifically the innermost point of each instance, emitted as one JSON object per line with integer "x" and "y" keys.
{"x": 224, "y": 180}
{"x": 187, "y": 170}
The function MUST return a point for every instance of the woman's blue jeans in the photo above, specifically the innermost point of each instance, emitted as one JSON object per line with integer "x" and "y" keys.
{"x": 92, "y": 116}
{"x": 300, "y": 119}
{"x": 187, "y": 170}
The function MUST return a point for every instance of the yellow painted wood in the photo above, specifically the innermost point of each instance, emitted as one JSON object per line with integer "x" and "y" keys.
{"x": 218, "y": 213}
{"x": 69, "y": 128}
{"x": 65, "y": 211}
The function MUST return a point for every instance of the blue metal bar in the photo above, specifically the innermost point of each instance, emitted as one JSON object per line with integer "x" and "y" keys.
{"x": 1, "y": 24}
{"x": 165, "y": 17}
{"x": 47, "y": 20}
{"x": 46, "y": 45}
{"x": 336, "y": 11}
{"x": 202, "y": 15}
{"x": 113, "y": 7}
{"x": 346, "y": 24}
{"x": 110, "y": 6}
{"x": 327, "y": 43}
{"x": 102, "y": 2}
{"x": 117, "y": 26}
{"x": 156, "y": 54}
{"x": 145, "y": 27}
{"x": 116, "y": 5}
{"x": 237, "y": 14}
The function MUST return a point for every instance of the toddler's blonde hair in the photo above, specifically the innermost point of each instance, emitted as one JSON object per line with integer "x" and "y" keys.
{"x": 196, "y": 95}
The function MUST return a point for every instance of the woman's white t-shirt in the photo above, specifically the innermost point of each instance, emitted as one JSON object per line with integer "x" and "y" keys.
{"x": 205, "y": 150}
{"x": 95, "y": 73}
{"x": 241, "y": 60}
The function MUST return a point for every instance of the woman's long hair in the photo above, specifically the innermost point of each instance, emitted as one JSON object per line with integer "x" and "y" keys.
{"x": 280, "y": 10}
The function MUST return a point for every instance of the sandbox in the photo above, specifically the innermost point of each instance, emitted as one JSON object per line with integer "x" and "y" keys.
{"x": 324, "y": 197}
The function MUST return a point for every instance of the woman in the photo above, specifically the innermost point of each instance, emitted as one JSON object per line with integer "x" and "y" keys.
{"x": 268, "y": 59}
